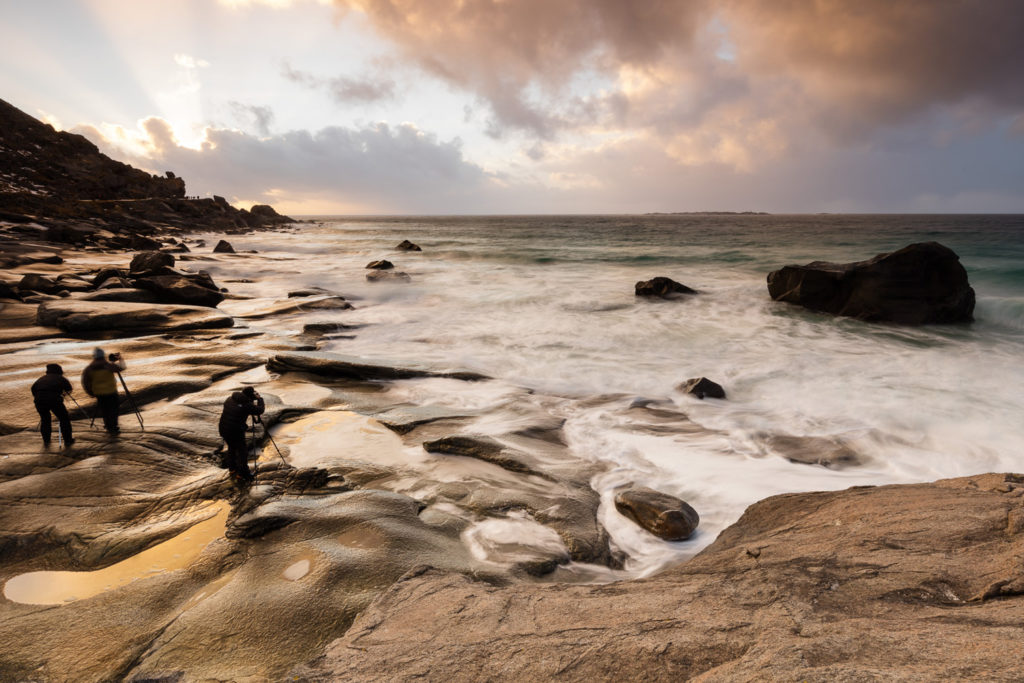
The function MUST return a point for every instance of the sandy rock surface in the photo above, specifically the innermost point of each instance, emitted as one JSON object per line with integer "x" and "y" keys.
{"x": 919, "y": 582}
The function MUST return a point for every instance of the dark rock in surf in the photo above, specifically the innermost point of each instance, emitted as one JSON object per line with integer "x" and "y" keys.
{"x": 702, "y": 387}
{"x": 662, "y": 287}
{"x": 311, "y": 291}
{"x": 223, "y": 247}
{"x": 920, "y": 284}
{"x": 349, "y": 367}
{"x": 326, "y": 328}
{"x": 406, "y": 245}
{"x": 814, "y": 450}
{"x": 380, "y": 265}
{"x": 151, "y": 262}
{"x": 385, "y": 275}
{"x": 663, "y": 515}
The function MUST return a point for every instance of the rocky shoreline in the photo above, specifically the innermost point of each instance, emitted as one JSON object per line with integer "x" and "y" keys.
{"x": 347, "y": 560}
{"x": 362, "y": 550}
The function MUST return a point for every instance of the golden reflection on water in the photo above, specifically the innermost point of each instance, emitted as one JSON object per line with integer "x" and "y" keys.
{"x": 58, "y": 587}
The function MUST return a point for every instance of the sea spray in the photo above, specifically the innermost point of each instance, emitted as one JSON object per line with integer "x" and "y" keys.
{"x": 546, "y": 306}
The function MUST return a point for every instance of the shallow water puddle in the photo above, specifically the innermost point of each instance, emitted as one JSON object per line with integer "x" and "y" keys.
{"x": 58, "y": 587}
{"x": 297, "y": 570}
{"x": 325, "y": 437}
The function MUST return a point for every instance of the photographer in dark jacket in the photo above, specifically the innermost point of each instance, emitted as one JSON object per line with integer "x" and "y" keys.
{"x": 48, "y": 394}
{"x": 238, "y": 407}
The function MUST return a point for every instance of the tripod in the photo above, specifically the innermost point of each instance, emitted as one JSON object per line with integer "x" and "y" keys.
{"x": 92, "y": 418}
{"x": 131, "y": 401}
{"x": 266, "y": 432}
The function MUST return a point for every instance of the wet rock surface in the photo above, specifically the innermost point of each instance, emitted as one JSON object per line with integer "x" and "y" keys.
{"x": 662, "y": 288}
{"x": 702, "y": 387}
{"x": 919, "y": 284}
{"x": 393, "y": 532}
{"x": 77, "y": 316}
{"x": 663, "y": 515}
{"x": 870, "y": 583}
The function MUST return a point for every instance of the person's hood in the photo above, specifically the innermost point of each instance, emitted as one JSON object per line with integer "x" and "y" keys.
{"x": 54, "y": 369}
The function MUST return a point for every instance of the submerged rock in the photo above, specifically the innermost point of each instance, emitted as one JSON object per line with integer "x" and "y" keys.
{"x": 920, "y": 284}
{"x": 384, "y": 275}
{"x": 406, "y": 245}
{"x": 486, "y": 449}
{"x": 814, "y": 450}
{"x": 701, "y": 387}
{"x": 223, "y": 247}
{"x": 663, "y": 515}
{"x": 662, "y": 287}
{"x": 380, "y": 265}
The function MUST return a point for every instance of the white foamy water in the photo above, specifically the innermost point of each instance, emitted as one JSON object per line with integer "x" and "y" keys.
{"x": 547, "y": 304}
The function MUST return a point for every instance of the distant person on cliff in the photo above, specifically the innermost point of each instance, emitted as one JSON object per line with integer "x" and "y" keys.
{"x": 238, "y": 407}
{"x": 99, "y": 381}
{"x": 48, "y": 394}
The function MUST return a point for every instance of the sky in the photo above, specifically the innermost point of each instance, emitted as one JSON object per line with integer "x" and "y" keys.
{"x": 541, "y": 106}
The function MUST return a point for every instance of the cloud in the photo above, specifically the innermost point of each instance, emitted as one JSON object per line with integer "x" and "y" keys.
{"x": 190, "y": 62}
{"x": 686, "y": 67}
{"x": 259, "y": 117}
{"x": 343, "y": 89}
{"x": 376, "y": 168}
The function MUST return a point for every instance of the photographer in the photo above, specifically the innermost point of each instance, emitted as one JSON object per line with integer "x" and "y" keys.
{"x": 237, "y": 409}
{"x": 99, "y": 381}
{"x": 48, "y": 395}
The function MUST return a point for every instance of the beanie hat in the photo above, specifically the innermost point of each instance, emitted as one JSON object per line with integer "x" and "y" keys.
{"x": 54, "y": 369}
{"x": 97, "y": 353}
{"x": 249, "y": 391}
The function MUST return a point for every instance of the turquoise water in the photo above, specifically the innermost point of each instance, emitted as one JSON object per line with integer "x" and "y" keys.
{"x": 546, "y": 306}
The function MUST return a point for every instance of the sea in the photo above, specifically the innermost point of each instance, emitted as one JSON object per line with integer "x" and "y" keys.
{"x": 546, "y": 306}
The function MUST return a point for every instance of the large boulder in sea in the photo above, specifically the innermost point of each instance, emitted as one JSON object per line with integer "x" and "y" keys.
{"x": 662, "y": 287}
{"x": 223, "y": 247}
{"x": 663, "y": 515}
{"x": 920, "y": 284}
{"x": 406, "y": 245}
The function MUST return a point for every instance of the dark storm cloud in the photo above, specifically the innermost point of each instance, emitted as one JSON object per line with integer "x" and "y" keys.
{"x": 343, "y": 89}
{"x": 844, "y": 66}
